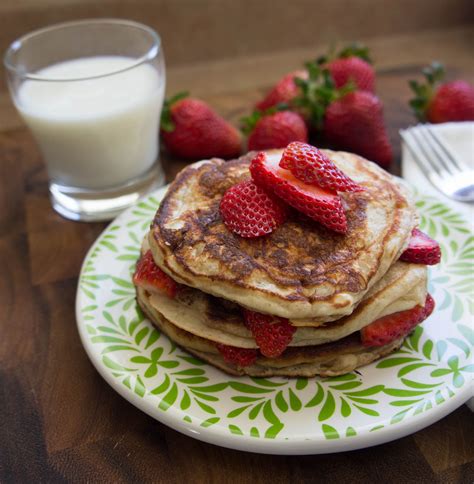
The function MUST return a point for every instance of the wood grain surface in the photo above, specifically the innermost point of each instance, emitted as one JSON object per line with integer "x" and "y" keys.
{"x": 60, "y": 421}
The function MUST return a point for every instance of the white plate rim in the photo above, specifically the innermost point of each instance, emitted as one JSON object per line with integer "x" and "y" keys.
{"x": 296, "y": 446}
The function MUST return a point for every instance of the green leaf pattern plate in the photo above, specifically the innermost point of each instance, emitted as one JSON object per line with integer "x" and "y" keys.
{"x": 427, "y": 378}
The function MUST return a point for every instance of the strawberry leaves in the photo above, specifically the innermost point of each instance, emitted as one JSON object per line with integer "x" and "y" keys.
{"x": 248, "y": 123}
{"x": 166, "y": 123}
{"x": 356, "y": 49}
{"x": 434, "y": 73}
{"x": 317, "y": 92}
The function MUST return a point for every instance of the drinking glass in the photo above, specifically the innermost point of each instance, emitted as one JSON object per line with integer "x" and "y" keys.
{"x": 91, "y": 92}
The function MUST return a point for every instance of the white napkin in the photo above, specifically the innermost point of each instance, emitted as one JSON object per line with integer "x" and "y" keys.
{"x": 460, "y": 138}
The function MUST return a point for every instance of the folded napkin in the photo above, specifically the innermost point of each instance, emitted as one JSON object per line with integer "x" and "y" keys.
{"x": 460, "y": 138}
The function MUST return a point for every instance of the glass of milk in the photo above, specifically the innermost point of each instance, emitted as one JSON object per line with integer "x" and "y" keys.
{"x": 91, "y": 92}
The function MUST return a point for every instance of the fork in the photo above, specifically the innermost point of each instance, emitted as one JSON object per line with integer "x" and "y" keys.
{"x": 445, "y": 171}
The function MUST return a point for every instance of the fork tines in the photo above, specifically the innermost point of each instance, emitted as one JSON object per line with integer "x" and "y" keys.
{"x": 443, "y": 168}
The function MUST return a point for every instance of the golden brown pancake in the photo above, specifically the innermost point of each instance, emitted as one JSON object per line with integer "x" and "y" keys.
{"x": 221, "y": 321}
{"x": 328, "y": 285}
{"x": 329, "y": 359}
{"x": 301, "y": 271}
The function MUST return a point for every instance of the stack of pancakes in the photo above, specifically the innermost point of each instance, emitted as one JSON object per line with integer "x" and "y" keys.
{"x": 327, "y": 285}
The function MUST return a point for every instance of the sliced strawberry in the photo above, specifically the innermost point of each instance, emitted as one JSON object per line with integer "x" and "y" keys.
{"x": 272, "y": 334}
{"x": 149, "y": 276}
{"x": 250, "y": 211}
{"x": 421, "y": 249}
{"x": 317, "y": 203}
{"x": 385, "y": 330}
{"x": 237, "y": 356}
{"x": 312, "y": 166}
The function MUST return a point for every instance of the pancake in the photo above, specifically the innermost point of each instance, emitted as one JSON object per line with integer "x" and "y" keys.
{"x": 330, "y": 359}
{"x": 333, "y": 362}
{"x": 217, "y": 320}
{"x": 301, "y": 271}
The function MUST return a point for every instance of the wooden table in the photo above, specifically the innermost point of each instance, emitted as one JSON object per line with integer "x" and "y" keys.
{"x": 61, "y": 422}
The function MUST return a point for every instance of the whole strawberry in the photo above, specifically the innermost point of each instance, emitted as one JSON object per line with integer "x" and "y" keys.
{"x": 284, "y": 91}
{"x": 274, "y": 130}
{"x": 355, "y": 123}
{"x": 350, "y": 120}
{"x": 440, "y": 103}
{"x": 352, "y": 64}
{"x": 453, "y": 101}
{"x": 192, "y": 129}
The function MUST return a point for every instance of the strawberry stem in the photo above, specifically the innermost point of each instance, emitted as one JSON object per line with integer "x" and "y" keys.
{"x": 166, "y": 123}
{"x": 433, "y": 74}
{"x": 248, "y": 123}
{"x": 356, "y": 49}
{"x": 317, "y": 92}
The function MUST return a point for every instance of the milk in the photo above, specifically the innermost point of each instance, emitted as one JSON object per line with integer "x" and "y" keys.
{"x": 95, "y": 133}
